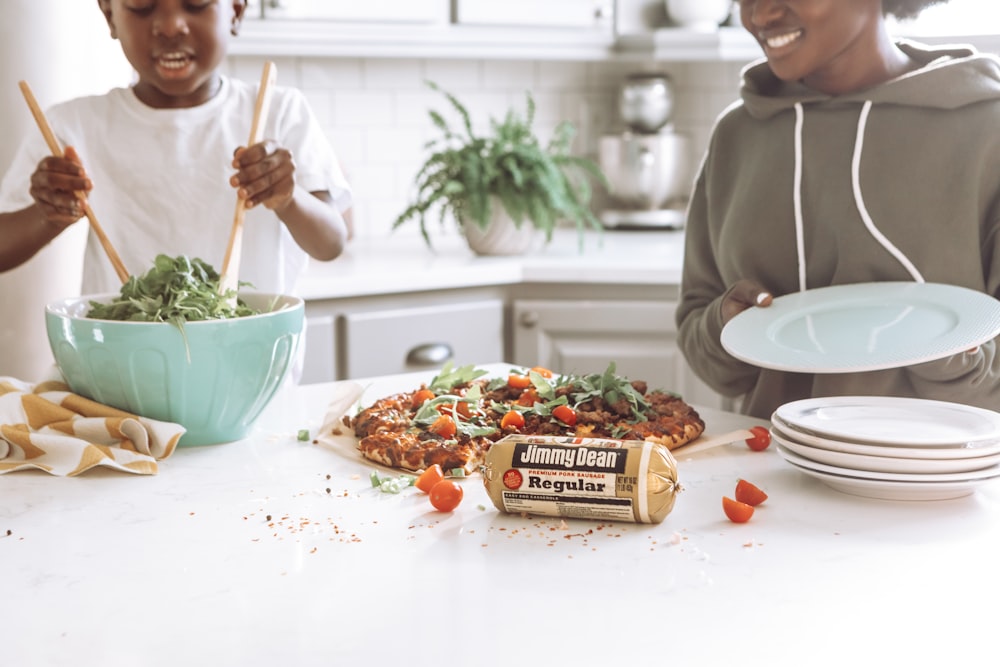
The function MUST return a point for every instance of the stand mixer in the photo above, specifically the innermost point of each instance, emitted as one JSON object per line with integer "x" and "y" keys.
{"x": 648, "y": 166}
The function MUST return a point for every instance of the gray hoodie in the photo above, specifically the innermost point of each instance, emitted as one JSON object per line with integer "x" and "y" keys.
{"x": 800, "y": 190}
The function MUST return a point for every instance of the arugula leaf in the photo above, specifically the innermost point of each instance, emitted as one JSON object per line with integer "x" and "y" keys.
{"x": 612, "y": 388}
{"x": 175, "y": 290}
{"x": 450, "y": 377}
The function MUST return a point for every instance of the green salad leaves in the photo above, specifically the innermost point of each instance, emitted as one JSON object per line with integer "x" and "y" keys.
{"x": 175, "y": 290}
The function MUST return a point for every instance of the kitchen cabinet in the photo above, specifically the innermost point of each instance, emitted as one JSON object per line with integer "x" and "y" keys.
{"x": 350, "y": 338}
{"x": 595, "y": 15}
{"x": 421, "y": 338}
{"x": 556, "y": 29}
{"x": 389, "y": 11}
{"x": 582, "y": 336}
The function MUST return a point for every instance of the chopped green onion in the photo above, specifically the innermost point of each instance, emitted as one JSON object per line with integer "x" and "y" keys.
{"x": 303, "y": 434}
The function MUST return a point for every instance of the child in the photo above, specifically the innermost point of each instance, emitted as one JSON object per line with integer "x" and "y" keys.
{"x": 850, "y": 158}
{"x": 162, "y": 162}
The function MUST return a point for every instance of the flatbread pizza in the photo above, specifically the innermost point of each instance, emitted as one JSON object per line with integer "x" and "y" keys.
{"x": 452, "y": 420}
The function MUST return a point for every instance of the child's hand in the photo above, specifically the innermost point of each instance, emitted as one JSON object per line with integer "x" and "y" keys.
{"x": 265, "y": 175}
{"x": 58, "y": 186}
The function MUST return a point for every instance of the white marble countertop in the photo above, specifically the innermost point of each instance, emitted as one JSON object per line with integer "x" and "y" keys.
{"x": 271, "y": 551}
{"x": 402, "y": 262}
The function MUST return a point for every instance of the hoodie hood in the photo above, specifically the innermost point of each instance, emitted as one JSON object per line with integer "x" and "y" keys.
{"x": 950, "y": 77}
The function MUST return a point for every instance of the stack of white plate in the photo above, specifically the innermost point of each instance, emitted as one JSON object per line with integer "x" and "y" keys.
{"x": 890, "y": 448}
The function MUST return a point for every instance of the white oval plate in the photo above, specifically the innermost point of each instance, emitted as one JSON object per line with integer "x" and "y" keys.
{"x": 926, "y": 478}
{"x": 863, "y": 327}
{"x": 882, "y": 490}
{"x": 892, "y": 421}
{"x": 883, "y": 463}
{"x": 984, "y": 448}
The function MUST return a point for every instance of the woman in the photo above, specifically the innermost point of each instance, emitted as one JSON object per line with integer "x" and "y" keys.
{"x": 850, "y": 158}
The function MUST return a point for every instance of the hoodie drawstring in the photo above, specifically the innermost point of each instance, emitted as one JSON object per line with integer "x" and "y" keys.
{"x": 859, "y": 202}
{"x": 800, "y": 244}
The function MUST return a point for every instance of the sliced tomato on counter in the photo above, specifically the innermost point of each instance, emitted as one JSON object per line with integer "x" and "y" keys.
{"x": 749, "y": 493}
{"x": 761, "y": 439}
{"x": 446, "y": 495}
{"x": 428, "y": 478}
{"x": 736, "y": 511}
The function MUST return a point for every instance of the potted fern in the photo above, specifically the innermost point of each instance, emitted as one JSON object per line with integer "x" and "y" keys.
{"x": 506, "y": 178}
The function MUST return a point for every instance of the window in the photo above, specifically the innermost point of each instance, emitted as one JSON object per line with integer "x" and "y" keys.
{"x": 957, "y": 17}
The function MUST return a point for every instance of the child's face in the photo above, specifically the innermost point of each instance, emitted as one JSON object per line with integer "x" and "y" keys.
{"x": 175, "y": 46}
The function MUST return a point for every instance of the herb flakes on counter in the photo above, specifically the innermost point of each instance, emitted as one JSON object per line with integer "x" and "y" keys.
{"x": 175, "y": 290}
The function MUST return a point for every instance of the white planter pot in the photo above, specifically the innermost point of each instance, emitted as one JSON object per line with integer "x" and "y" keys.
{"x": 502, "y": 236}
{"x": 700, "y": 15}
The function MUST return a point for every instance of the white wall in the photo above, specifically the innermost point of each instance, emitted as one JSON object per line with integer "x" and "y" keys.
{"x": 62, "y": 49}
{"x": 375, "y": 110}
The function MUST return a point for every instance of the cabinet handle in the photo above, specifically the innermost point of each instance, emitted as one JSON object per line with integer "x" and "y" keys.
{"x": 528, "y": 319}
{"x": 429, "y": 354}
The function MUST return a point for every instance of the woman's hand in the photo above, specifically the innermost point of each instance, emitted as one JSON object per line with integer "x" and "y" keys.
{"x": 742, "y": 295}
{"x": 58, "y": 187}
{"x": 265, "y": 175}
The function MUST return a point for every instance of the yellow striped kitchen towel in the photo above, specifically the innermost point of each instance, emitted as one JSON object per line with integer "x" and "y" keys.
{"x": 45, "y": 426}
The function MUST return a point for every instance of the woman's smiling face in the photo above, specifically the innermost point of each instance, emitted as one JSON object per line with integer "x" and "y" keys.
{"x": 832, "y": 46}
{"x": 175, "y": 46}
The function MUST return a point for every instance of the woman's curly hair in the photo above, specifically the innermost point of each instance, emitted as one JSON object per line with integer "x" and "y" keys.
{"x": 905, "y": 9}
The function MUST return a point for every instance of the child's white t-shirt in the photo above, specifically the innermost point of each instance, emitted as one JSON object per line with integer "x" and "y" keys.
{"x": 161, "y": 180}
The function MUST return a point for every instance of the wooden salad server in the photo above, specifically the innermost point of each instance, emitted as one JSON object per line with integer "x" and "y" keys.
{"x": 229, "y": 279}
{"x": 57, "y": 150}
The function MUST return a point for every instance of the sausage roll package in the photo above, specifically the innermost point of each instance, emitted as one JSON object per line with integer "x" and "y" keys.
{"x": 590, "y": 478}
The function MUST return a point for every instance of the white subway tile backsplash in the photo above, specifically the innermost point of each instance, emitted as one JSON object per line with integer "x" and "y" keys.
{"x": 364, "y": 109}
{"x": 393, "y": 74}
{"x": 375, "y": 110}
{"x": 464, "y": 73}
{"x": 512, "y": 75}
{"x": 331, "y": 74}
{"x": 563, "y": 76}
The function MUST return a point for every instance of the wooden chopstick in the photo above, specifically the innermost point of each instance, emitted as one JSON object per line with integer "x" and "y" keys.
{"x": 56, "y": 148}
{"x": 229, "y": 279}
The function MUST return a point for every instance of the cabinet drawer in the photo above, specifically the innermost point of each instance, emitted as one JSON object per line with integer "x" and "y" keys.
{"x": 402, "y": 340}
{"x": 587, "y": 14}
{"x": 389, "y": 11}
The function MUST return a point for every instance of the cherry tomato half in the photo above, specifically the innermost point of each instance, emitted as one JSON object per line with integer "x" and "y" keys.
{"x": 446, "y": 495}
{"x": 565, "y": 414}
{"x": 518, "y": 381}
{"x": 736, "y": 511}
{"x": 444, "y": 426}
{"x": 749, "y": 493}
{"x": 421, "y": 397}
{"x": 512, "y": 419}
{"x": 544, "y": 372}
{"x": 760, "y": 440}
{"x": 528, "y": 398}
{"x": 429, "y": 478}
{"x": 460, "y": 408}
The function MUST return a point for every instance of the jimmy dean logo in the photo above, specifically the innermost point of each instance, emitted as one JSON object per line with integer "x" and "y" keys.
{"x": 556, "y": 457}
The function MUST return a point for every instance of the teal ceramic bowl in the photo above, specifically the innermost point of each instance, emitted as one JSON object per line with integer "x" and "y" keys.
{"x": 215, "y": 379}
